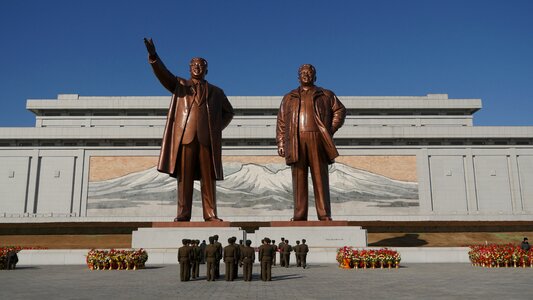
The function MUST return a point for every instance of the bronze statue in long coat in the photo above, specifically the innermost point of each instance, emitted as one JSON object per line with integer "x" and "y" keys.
{"x": 307, "y": 119}
{"x": 191, "y": 148}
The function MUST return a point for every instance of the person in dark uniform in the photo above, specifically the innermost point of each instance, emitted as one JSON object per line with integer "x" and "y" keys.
{"x": 297, "y": 253}
{"x": 280, "y": 249}
{"x": 230, "y": 256}
{"x": 247, "y": 260}
{"x": 219, "y": 249}
{"x": 273, "y": 244}
{"x": 12, "y": 260}
{"x": 287, "y": 249}
{"x": 202, "y": 246}
{"x": 525, "y": 245}
{"x": 265, "y": 257}
{"x": 211, "y": 257}
{"x": 184, "y": 258}
{"x": 238, "y": 248}
{"x": 259, "y": 258}
{"x": 303, "y": 250}
{"x": 196, "y": 258}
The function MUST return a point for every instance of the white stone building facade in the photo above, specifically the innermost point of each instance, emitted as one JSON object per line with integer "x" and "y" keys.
{"x": 403, "y": 158}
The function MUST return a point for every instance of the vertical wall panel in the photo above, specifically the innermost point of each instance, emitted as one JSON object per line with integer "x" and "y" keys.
{"x": 13, "y": 184}
{"x": 525, "y": 166}
{"x": 492, "y": 183}
{"x": 448, "y": 184}
{"x": 55, "y": 185}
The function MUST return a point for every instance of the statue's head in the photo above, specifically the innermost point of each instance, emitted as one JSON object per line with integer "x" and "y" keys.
{"x": 198, "y": 68}
{"x": 307, "y": 75}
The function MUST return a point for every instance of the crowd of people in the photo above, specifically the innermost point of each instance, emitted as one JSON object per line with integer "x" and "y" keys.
{"x": 193, "y": 253}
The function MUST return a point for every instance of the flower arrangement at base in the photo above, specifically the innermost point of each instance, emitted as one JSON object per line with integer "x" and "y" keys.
{"x": 348, "y": 257}
{"x": 344, "y": 257}
{"x": 116, "y": 259}
{"x": 495, "y": 256}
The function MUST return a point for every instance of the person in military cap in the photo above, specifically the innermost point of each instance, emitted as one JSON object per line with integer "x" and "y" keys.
{"x": 265, "y": 257}
{"x": 211, "y": 257}
{"x": 236, "y": 262}
{"x": 241, "y": 247}
{"x": 184, "y": 259}
{"x": 219, "y": 249}
{"x": 297, "y": 253}
{"x": 196, "y": 259}
{"x": 230, "y": 256}
{"x": 280, "y": 249}
{"x": 260, "y": 267}
{"x": 273, "y": 244}
{"x": 287, "y": 249}
{"x": 303, "y": 250}
{"x": 247, "y": 260}
{"x": 12, "y": 259}
{"x": 202, "y": 246}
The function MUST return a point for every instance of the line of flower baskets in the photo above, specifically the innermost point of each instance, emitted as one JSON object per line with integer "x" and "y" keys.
{"x": 349, "y": 258}
{"x": 6, "y": 249}
{"x": 116, "y": 259}
{"x": 495, "y": 256}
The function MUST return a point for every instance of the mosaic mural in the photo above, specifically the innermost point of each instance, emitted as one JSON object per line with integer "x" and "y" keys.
{"x": 254, "y": 186}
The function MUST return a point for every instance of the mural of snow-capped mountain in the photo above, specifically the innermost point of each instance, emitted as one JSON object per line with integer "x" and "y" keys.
{"x": 252, "y": 186}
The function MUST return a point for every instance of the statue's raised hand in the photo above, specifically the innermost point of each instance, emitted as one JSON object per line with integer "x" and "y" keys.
{"x": 150, "y": 47}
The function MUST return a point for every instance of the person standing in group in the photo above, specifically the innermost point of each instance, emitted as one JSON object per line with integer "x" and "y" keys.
{"x": 191, "y": 148}
{"x": 203, "y": 245}
{"x": 304, "y": 249}
{"x": 307, "y": 119}
{"x": 287, "y": 249}
{"x": 196, "y": 259}
{"x": 230, "y": 256}
{"x": 273, "y": 244}
{"x": 297, "y": 254}
{"x": 265, "y": 257}
{"x": 211, "y": 258}
{"x": 280, "y": 249}
{"x": 238, "y": 248}
{"x": 184, "y": 259}
{"x": 247, "y": 260}
{"x": 217, "y": 263}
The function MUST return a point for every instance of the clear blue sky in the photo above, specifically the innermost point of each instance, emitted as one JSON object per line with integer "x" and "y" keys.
{"x": 468, "y": 49}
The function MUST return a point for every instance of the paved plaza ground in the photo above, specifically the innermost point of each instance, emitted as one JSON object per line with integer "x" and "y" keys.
{"x": 411, "y": 281}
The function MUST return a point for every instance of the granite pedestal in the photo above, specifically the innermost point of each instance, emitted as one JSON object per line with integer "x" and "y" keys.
{"x": 325, "y": 235}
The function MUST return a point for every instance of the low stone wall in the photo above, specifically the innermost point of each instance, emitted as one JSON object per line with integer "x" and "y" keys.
{"x": 315, "y": 256}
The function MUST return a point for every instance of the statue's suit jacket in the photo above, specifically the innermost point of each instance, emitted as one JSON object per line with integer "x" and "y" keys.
{"x": 220, "y": 113}
{"x": 329, "y": 116}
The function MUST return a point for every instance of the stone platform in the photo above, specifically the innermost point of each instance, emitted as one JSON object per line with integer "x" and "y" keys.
{"x": 319, "y": 234}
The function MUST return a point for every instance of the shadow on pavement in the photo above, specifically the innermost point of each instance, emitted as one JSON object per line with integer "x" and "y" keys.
{"x": 153, "y": 267}
{"x": 286, "y": 277}
{"x": 24, "y": 268}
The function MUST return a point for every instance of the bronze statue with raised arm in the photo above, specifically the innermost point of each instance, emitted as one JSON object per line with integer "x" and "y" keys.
{"x": 191, "y": 148}
{"x": 307, "y": 119}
